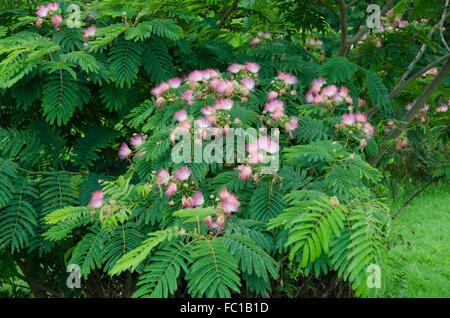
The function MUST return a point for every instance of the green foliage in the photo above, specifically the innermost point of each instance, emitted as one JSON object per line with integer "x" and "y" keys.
{"x": 68, "y": 102}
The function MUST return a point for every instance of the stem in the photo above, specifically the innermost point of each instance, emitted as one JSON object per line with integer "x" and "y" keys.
{"x": 227, "y": 13}
{"x": 413, "y": 195}
{"x": 51, "y": 172}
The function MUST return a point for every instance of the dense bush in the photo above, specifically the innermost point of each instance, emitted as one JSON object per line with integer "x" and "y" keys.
{"x": 91, "y": 116}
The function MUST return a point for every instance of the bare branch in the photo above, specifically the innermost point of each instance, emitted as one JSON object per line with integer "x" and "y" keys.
{"x": 441, "y": 25}
{"x": 416, "y": 75}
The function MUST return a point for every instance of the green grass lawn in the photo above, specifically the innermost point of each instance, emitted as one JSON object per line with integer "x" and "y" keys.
{"x": 424, "y": 261}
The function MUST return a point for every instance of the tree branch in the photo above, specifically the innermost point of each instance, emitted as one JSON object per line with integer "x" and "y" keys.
{"x": 344, "y": 28}
{"x": 413, "y": 195}
{"x": 227, "y": 13}
{"x": 409, "y": 116}
{"x": 417, "y": 75}
{"x": 441, "y": 25}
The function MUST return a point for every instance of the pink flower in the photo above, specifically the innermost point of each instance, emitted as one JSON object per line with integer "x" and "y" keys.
{"x": 294, "y": 123}
{"x": 329, "y": 90}
{"x": 361, "y": 102}
{"x": 42, "y": 11}
{"x": 245, "y": 172}
{"x": 252, "y": 67}
{"x": 274, "y": 104}
{"x": 272, "y": 95}
{"x": 224, "y": 104}
{"x": 309, "y": 96}
{"x": 277, "y": 114}
{"x": 198, "y": 198}
{"x": 56, "y": 20}
{"x": 379, "y": 43}
{"x": 187, "y": 96}
{"x": 180, "y": 116}
{"x": 402, "y": 24}
{"x": 196, "y": 76}
{"x": 316, "y": 84}
{"x": 175, "y": 82}
{"x": 291, "y": 125}
{"x": 408, "y": 106}
{"x": 360, "y": 117}
{"x": 53, "y": 6}
{"x": 182, "y": 174}
{"x": 432, "y": 72}
{"x": 231, "y": 204}
{"x": 97, "y": 199}
{"x": 89, "y": 32}
{"x": 160, "y": 89}
{"x": 254, "y": 155}
{"x": 202, "y": 123}
{"x": 442, "y": 109}
{"x": 212, "y": 73}
{"x": 124, "y": 151}
{"x": 207, "y": 111}
{"x": 171, "y": 189}
{"x": 224, "y": 87}
{"x": 162, "y": 177}
{"x": 369, "y": 129}
{"x": 224, "y": 194}
{"x": 348, "y": 119}
{"x": 159, "y": 101}
{"x": 267, "y": 144}
{"x": 288, "y": 78}
{"x": 235, "y": 68}
{"x": 248, "y": 83}
{"x": 187, "y": 203}
{"x": 344, "y": 91}
{"x": 208, "y": 220}
{"x": 136, "y": 141}
{"x": 255, "y": 41}
{"x": 39, "y": 23}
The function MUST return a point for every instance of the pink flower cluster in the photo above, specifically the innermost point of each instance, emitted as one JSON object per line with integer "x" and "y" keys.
{"x": 442, "y": 109}
{"x": 49, "y": 10}
{"x": 359, "y": 122}
{"x": 260, "y": 37}
{"x": 431, "y": 72}
{"x": 98, "y": 201}
{"x": 422, "y": 115}
{"x": 136, "y": 141}
{"x": 201, "y": 84}
{"x": 173, "y": 182}
{"x": 328, "y": 95}
{"x": 314, "y": 43}
{"x": 89, "y": 32}
{"x": 229, "y": 204}
{"x": 258, "y": 149}
{"x": 393, "y": 22}
{"x": 193, "y": 201}
{"x": 401, "y": 143}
